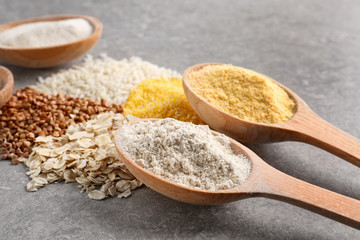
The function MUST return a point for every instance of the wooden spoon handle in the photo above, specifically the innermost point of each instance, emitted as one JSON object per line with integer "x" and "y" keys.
{"x": 330, "y": 204}
{"x": 312, "y": 129}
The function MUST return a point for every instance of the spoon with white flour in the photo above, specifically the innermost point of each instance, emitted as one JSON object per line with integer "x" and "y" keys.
{"x": 304, "y": 126}
{"x": 263, "y": 181}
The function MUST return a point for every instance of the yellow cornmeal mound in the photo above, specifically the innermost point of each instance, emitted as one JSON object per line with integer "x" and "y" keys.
{"x": 243, "y": 93}
{"x": 160, "y": 98}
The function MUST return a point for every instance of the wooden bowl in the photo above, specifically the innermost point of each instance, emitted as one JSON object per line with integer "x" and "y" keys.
{"x": 6, "y": 85}
{"x": 42, "y": 57}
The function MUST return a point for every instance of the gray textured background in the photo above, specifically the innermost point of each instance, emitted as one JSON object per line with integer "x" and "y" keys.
{"x": 313, "y": 47}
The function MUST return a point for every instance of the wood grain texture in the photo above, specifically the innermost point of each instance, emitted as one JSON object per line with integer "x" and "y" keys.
{"x": 43, "y": 57}
{"x": 264, "y": 181}
{"x": 6, "y": 85}
{"x": 304, "y": 126}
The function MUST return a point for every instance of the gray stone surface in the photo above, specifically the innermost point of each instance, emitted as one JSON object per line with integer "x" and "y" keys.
{"x": 313, "y": 47}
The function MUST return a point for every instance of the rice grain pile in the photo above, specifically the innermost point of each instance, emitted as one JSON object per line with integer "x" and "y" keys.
{"x": 103, "y": 78}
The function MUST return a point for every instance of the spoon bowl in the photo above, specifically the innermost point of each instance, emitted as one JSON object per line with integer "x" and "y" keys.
{"x": 6, "y": 85}
{"x": 304, "y": 126}
{"x": 264, "y": 181}
{"x": 50, "y": 56}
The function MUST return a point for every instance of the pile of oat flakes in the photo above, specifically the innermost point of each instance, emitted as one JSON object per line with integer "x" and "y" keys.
{"x": 85, "y": 154}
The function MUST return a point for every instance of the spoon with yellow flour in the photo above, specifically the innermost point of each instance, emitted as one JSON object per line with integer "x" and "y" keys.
{"x": 270, "y": 112}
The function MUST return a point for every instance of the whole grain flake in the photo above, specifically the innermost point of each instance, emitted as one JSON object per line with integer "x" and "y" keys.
{"x": 85, "y": 154}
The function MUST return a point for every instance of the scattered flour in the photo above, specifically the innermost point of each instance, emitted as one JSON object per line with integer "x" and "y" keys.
{"x": 184, "y": 153}
{"x": 103, "y": 77}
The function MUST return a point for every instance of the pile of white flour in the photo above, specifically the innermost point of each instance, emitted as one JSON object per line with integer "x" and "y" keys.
{"x": 184, "y": 153}
{"x": 47, "y": 33}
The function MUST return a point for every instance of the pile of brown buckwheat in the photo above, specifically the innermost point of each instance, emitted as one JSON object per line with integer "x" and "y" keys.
{"x": 29, "y": 114}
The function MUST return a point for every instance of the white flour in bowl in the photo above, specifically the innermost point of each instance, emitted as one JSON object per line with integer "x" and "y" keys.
{"x": 46, "y": 33}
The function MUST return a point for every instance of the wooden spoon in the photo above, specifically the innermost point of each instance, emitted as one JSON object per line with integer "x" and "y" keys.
{"x": 6, "y": 85}
{"x": 263, "y": 181}
{"x": 41, "y": 57}
{"x": 304, "y": 126}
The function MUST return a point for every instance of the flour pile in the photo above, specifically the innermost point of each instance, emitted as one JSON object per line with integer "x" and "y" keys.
{"x": 184, "y": 153}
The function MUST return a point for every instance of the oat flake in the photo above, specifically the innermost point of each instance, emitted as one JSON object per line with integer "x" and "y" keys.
{"x": 86, "y": 154}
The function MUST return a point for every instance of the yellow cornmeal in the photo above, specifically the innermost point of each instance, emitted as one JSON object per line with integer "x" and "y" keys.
{"x": 243, "y": 93}
{"x": 160, "y": 98}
